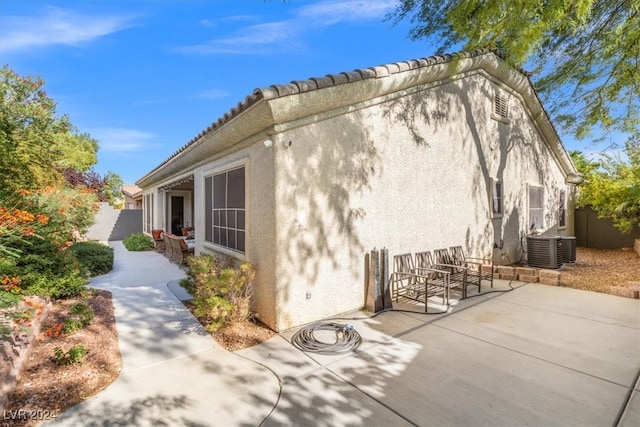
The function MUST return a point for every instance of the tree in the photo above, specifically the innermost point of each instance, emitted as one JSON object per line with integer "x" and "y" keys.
{"x": 107, "y": 188}
{"x": 36, "y": 145}
{"x": 585, "y": 54}
{"x": 78, "y": 151}
{"x": 112, "y": 189}
{"x": 29, "y": 134}
{"x": 612, "y": 186}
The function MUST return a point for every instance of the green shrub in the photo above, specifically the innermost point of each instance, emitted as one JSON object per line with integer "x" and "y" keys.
{"x": 74, "y": 355}
{"x": 56, "y": 288}
{"x": 188, "y": 285}
{"x": 222, "y": 293}
{"x": 138, "y": 242}
{"x": 94, "y": 258}
{"x": 72, "y": 325}
{"x": 80, "y": 316}
{"x": 46, "y": 270}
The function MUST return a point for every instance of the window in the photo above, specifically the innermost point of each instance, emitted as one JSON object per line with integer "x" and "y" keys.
{"x": 225, "y": 209}
{"x": 500, "y": 107}
{"x": 496, "y": 198}
{"x": 148, "y": 213}
{"x": 562, "y": 209}
{"x": 536, "y": 210}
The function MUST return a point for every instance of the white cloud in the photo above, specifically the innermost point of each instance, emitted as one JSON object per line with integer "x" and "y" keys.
{"x": 247, "y": 39}
{"x": 285, "y": 34}
{"x": 57, "y": 27}
{"x": 337, "y": 11}
{"x": 121, "y": 140}
{"x": 235, "y": 18}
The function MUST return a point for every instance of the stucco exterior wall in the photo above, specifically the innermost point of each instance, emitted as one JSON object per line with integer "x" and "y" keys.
{"x": 409, "y": 173}
{"x": 400, "y": 156}
{"x": 260, "y": 213}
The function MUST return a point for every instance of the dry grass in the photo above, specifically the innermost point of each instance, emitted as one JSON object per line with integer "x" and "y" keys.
{"x": 599, "y": 270}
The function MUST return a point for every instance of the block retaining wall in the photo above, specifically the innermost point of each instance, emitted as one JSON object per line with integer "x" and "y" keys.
{"x": 554, "y": 278}
{"x": 528, "y": 274}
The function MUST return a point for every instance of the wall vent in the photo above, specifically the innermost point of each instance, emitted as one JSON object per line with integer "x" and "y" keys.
{"x": 500, "y": 105}
{"x": 544, "y": 252}
{"x": 500, "y": 110}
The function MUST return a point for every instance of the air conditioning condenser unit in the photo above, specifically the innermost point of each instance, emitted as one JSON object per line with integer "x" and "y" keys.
{"x": 568, "y": 250}
{"x": 544, "y": 251}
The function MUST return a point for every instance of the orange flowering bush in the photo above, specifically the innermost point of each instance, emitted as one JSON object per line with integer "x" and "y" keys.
{"x": 41, "y": 212}
{"x": 10, "y": 285}
{"x": 55, "y": 330}
{"x": 15, "y": 224}
{"x": 61, "y": 212}
{"x": 34, "y": 232}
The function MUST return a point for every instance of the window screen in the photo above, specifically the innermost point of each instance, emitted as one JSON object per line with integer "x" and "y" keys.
{"x": 225, "y": 209}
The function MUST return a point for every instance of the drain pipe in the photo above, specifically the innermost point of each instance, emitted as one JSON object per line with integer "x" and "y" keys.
{"x": 378, "y": 294}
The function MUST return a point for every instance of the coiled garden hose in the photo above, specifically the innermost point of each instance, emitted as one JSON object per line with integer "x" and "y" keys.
{"x": 347, "y": 339}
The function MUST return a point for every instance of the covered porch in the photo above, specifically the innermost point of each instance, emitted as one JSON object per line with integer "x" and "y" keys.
{"x": 170, "y": 208}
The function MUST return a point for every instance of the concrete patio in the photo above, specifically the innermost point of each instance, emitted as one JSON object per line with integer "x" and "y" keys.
{"x": 537, "y": 355}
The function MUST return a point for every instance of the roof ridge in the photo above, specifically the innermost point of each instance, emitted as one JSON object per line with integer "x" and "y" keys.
{"x": 299, "y": 86}
{"x": 312, "y": 83}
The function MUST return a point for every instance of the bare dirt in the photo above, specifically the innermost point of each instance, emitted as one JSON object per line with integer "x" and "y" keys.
{"x": 237, "y": 336}
{"x": 47, "y": 386}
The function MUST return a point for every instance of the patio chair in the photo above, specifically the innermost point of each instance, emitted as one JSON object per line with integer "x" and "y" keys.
{"x": 158, "y": 239}
{"x": 408, "y": 283}
{"x": 444, "y": 261}
{"x": 424, "y": 265}
{"x": 168, "y": 249}
{"x": 479, "y": 269}
{"x": 180, "y": 251}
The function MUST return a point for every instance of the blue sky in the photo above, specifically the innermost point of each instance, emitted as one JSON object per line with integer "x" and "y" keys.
{"x": 145, "y": 77}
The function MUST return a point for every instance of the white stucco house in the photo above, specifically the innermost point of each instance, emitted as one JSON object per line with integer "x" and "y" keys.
{"x": 303, "y": 179}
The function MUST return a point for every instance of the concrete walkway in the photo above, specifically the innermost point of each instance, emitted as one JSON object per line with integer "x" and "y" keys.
{"x": 173, "y": 373}
{"x": 538, "y": 355}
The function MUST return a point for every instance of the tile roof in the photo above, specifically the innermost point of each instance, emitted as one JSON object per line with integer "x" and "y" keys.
{"x": 130, "y": 189}
{"x": 314, "y": 83}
